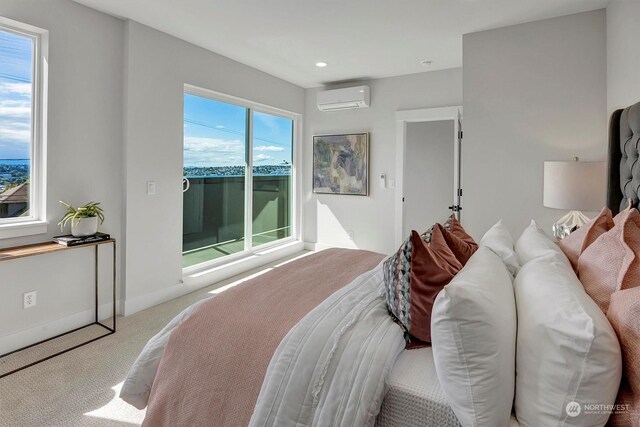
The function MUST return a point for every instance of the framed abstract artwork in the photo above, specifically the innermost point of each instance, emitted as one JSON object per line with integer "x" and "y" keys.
{"x": 341, "y": 164}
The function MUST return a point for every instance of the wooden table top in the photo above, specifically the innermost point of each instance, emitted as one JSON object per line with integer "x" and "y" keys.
{"x": 15, "y": 252}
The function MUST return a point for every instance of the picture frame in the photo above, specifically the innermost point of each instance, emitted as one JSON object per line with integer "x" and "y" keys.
{"x": 341, "y": 164}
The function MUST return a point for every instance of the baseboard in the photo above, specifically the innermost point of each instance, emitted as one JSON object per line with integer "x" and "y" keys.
{"x": 202, "y": 279}
{"x": 52, "y": 328}
{"x": 315, "y": 246}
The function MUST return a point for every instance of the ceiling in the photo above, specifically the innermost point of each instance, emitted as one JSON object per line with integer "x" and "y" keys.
{"x": 359, "y": 39}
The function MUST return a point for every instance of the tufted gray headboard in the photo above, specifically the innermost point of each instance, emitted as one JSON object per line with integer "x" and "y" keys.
{"x": 624, "y": 168}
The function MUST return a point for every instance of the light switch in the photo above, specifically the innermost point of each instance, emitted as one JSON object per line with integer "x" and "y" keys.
{"x": 383, "y": 180}
{"x": 151, "y": 188}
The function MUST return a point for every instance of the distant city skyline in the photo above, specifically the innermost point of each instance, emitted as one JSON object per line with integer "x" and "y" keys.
{"x": 234, "y": 171}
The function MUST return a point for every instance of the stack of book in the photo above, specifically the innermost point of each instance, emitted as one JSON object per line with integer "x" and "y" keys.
{"x": 69, "y": 240}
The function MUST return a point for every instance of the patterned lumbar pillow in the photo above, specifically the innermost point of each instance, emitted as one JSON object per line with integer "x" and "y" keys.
{"x": 413, "y": 277}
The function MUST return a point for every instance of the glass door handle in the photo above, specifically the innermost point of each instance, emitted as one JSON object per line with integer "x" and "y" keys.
{"x": 185, "y": 184}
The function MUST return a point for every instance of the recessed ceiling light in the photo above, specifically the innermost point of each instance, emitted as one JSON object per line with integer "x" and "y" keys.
{"x": 321, "y": 64}
{"x": 426, "y": 62}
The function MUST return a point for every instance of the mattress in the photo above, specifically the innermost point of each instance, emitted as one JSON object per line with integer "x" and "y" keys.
{"x": 414, "y": 397}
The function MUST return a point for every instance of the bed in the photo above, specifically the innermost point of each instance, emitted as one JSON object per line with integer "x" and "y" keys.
{"x": 312, "y": 341}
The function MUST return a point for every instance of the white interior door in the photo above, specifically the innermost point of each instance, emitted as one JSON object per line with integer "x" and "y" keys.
{"x": 429, "y": 167}
{"x": 428, "y": 174}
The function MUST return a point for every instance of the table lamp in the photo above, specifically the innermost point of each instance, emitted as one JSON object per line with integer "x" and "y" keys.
{"x": 575, "y": 186}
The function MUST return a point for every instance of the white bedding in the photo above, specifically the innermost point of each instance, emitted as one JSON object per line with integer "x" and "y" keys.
{"x": 351, "y": 360}
{"x": 332, "y": 368}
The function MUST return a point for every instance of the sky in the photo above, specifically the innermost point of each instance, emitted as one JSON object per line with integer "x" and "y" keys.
{"x": 16, "y": 56}
{"x": 215, "y": 132}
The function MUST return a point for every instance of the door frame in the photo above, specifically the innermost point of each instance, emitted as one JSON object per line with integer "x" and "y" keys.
{"x": 403, "y": 118}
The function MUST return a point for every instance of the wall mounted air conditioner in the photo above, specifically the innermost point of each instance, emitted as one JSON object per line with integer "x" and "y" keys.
{"x": 344, "y": 99}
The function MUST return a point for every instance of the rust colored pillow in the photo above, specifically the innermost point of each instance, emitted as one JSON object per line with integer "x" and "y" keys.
{"x": 624, "y": 315}
{"x": 612, "y": 262}
{"x": 457, "y": 229}
{"x": 460, "y": 248}
{"x": 574, "y": 244}
{"x": 432, "y": 268}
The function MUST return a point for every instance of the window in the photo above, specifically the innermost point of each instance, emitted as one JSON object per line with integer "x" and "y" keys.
{"x": 238, "y": 177}
{"x": 21, "y": 163}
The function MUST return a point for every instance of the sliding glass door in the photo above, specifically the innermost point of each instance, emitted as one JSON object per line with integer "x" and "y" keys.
{"x": 231, "y": 151}
{"x": 272, "y": 185}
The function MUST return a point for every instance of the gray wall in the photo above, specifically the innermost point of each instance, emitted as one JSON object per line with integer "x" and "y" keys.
{"x": 84, "y": 156}
{"x": 329, "y": 218}
{"x": 532, "y": 92}
{"x": 623, "y": 55}
{"x": 115, "y": 122}
{"x": 156, "y": 68}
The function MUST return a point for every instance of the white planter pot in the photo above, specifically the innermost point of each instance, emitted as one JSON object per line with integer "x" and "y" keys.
{"x": 84, "y": 227}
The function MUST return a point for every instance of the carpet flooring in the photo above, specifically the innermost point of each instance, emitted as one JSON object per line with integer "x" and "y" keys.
{"x": 81, "y": 387}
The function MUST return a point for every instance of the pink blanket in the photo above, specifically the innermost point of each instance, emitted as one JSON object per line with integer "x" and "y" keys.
{"x": 215, "y": 361}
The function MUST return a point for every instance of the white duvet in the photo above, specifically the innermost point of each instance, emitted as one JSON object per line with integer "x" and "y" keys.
{"x": 332, "y": 368}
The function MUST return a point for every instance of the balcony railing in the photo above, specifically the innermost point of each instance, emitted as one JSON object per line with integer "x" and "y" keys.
{"x": 214, "y": 211}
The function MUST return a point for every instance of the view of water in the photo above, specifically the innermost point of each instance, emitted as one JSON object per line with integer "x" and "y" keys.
{"x": 14, "y": 161}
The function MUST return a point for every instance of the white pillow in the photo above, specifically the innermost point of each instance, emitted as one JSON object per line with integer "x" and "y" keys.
{"x": 566, "y": 349}
{"x": 473, "y": 333}
{"x": 534, "y": 243}
{"x": 499, "y": 240}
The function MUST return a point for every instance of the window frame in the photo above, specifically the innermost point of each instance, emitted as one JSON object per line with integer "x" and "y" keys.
{"x": 36, "y": 222}
{"x": 296, "y": 179}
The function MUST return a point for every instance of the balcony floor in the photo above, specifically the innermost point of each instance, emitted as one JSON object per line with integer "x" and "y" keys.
{"x": 219, "y": 250}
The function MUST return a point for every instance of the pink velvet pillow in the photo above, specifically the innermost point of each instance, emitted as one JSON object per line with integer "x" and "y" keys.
{"x": 611, "y": 263}
{"x": 574, "y": 244}
{"x": 624, "y": 315}
{"x": 623, "y": 213}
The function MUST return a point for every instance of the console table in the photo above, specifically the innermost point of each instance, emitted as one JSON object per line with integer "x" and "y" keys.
{"x": 9, "y": 254}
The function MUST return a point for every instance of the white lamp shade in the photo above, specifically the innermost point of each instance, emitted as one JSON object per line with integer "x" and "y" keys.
{"x": 579, "y": 186}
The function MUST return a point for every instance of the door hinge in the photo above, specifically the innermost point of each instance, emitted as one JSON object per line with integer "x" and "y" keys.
{"x": 460, "y": 134}
{"x": 459, "y": 192}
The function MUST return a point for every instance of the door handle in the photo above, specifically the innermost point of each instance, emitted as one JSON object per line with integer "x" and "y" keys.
{"x": 455, "y": 208}
{"x": 185, "y": 180}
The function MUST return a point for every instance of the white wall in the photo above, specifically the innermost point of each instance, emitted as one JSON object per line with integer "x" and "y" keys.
{"x": 84, "y": 159}
{"x": 329, "y": 218}
{"x": 623, "y": 55}
{"x": 156, "y": 68}
{"x": 532, "y": 92}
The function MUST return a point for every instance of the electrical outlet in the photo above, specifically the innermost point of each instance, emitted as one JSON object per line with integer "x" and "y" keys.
{"x": 350, "y": 233}
{"x": 29, "y": 299}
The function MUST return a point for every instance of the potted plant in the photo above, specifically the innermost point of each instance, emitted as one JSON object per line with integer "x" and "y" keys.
{"x": 84, "y": 220}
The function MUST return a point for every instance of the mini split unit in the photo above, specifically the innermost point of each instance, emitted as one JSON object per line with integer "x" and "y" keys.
{"x": 344, "y": 99}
